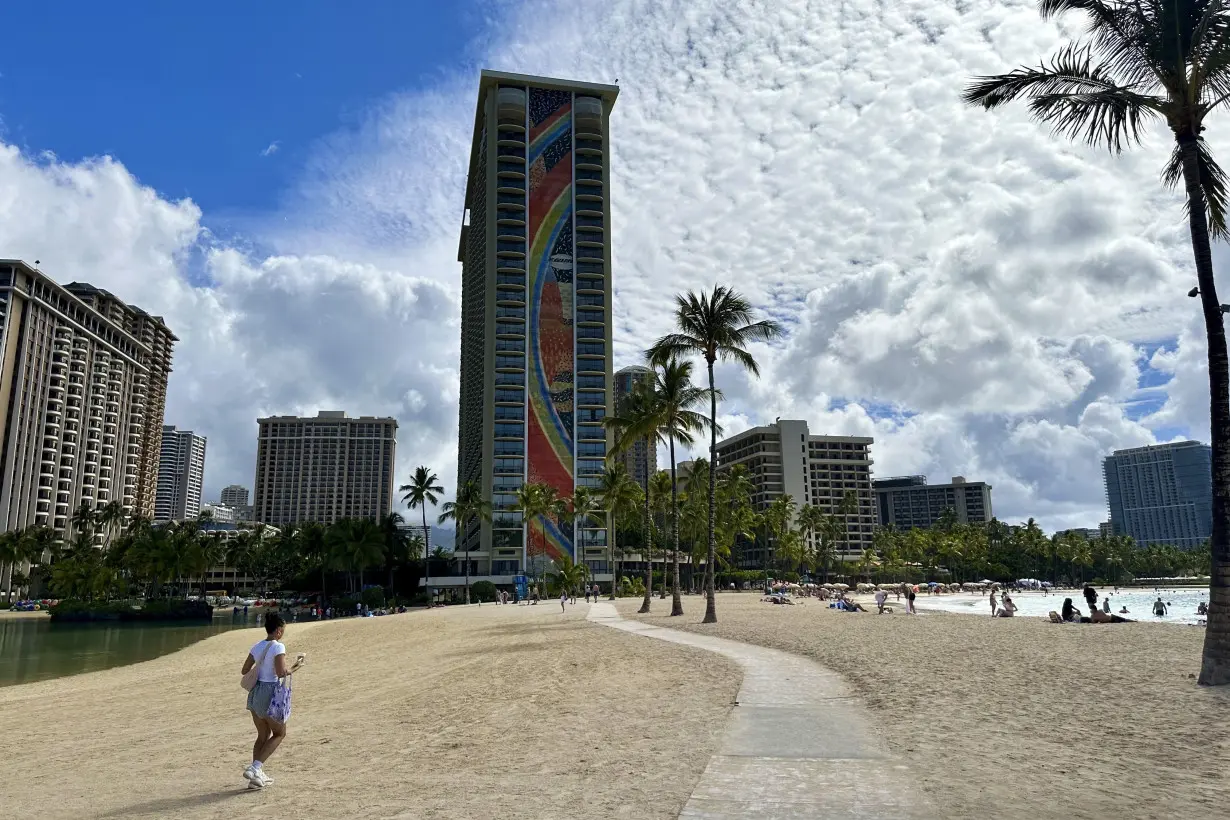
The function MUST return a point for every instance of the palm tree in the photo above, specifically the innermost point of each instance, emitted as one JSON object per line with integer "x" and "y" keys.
{"x": 568, "y": 575}
{"x": 12, "y": 552}
{"x": 1146, "y": 61}
{"x": 637, "y": 415}
{"x": 83, "y": 520}
{"x": 660, "y": 496}
{"x": 583, "y": 505}
{"x": 714, "y": 326}
{"x": 779, "y": 519}
{"x": 356, "y": 544}
{"x": 396, "y": 543}
{"x": 468, "y": 504}
{"x": 110, "y": 518}
{"x": 424, "y": 488}
{"x": 620, "y": 495}
{"x": 677, "y": 422}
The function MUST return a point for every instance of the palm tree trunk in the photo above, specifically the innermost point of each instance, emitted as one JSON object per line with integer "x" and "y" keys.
{"x": 1215, "y": 663}
{"x": 610, "y": 551}
{"x": 426, "y": 555}
{"x": 467, "y": 560}
{"x": 710, "y": 572}
{"x": 676, "y": 602}
{"x": 648, "y": 546}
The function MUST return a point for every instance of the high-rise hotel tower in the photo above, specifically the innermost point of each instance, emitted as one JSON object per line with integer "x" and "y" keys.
{"x": 536, "y": 301}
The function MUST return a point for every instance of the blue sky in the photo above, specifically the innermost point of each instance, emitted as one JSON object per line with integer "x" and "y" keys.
{"x": 190, "y": 96}
{"x": 977, "y": 294}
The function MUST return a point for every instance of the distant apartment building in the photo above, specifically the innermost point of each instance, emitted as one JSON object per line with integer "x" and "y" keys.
{"x": 324, "y": 468}
{"x": 83, "y": 381}
{"x": 641, "y": 459}
{"x": 181, "y": 474}
{"x": 234, "y": 495}
{"x": 909, "y": 502}
{"x": 535, "y": 374}
{"x": 1088, "y": 533}
{"x": 785, "y": 458}
{"x": 1162, "y": 494}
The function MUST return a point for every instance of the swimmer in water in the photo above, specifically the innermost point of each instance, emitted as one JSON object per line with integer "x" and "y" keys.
{"x": 1159, "y": 607}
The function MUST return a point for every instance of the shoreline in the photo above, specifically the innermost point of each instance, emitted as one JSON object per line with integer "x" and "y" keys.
{"x": 1013, "y": 718}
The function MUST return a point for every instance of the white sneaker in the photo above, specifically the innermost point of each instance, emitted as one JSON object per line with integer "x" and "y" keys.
{"x": 257, "y": 779}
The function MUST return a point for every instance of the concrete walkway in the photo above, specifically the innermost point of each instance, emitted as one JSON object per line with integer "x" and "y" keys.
{"x": 798, "y": 745}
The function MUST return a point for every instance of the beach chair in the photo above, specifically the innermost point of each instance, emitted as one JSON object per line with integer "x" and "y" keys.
{"x": 1055, "y": 619}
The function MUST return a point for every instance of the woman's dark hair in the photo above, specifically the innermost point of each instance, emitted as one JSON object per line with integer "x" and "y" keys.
{"x": 1067, "y": 609}
{"x": 273, "y": 622}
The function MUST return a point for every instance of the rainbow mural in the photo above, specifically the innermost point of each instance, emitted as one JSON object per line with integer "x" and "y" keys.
{"x": 549, "y": 434}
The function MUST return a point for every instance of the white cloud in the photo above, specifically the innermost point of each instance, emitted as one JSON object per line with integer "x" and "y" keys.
{"x": 966, "y": 288}
{"x": 271, "y": 149}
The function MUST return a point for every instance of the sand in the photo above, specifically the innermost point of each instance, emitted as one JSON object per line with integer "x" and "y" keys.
{"x": 479, "y": 712}
{"x": 1015, "y": 718}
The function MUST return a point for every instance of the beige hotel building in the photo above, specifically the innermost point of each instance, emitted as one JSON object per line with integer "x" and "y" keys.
{"x": 324, "y": 468}
{"x": 83, "y": 381}
{"x": 784, "y": 458}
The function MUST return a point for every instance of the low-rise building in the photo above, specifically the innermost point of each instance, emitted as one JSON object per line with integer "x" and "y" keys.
{"x": 909, "y": 502}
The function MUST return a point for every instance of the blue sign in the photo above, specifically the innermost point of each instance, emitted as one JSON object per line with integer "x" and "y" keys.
{"x": 522, "y": 587}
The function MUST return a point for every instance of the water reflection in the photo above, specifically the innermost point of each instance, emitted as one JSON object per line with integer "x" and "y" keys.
{"x": 34, "y": 649}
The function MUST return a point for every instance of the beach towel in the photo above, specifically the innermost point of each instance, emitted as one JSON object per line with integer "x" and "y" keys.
{"x": 279, "y": 705}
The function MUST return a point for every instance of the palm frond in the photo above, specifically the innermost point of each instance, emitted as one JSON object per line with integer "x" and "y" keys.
{"x": 1212, "y": 184}
{"x": 1075, "y": 95}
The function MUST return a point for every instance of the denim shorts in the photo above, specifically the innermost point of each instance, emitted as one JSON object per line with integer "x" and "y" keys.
{"x": 259, "y": 698}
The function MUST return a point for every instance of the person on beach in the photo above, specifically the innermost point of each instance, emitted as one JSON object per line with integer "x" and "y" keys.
{"x": 994, "y": 603}
{"x": 563, "y": 599}
{"x": 909, "y": 601}
{"x": 1008, "y": 608}
{"x": 1099, "y": 617}
{"x": 881, "y": 598}
{"x": 1071, "y": 614}
{"x": 270, "y": 653}
{"x": 1091, "y": 596}
{"x": 1159, "y": 607}
{"x": 1106, "y": 605}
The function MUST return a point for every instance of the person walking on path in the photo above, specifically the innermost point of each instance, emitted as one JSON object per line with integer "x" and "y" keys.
{"x": 270, "y": 655}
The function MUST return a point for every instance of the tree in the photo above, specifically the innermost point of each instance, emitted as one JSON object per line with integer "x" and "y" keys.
{"x": 356, "y": 544}
{"x": 424, "y": 488}
{"x": 634, "y": 418}
{"x": 1144, "y": 61}
{"x": 582, "y": 507}
{"x": 677, "y": 423}
{"x": 779, "y": 518}
{"x": 396, "y": 544}
{"x": 714, "y": 326}
{"x": 620, "y": 495}
{"x": 83, "y": 520}
{"x": 567, "y": 575}
{"x": 12, "y": 552}
{"x": 110, "y": 518}
{"x": 468, "y": 505}
{"x": 659, "y": 498}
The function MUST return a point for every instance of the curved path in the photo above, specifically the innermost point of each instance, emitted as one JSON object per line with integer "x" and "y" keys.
{"x": 798, "y": 745}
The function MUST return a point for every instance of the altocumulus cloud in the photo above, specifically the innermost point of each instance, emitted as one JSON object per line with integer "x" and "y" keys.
{"x": 971, "y": 291}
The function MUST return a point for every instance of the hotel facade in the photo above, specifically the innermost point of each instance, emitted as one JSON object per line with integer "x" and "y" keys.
{"x": 536, "y": 379}
{"x": 83, "y": 380}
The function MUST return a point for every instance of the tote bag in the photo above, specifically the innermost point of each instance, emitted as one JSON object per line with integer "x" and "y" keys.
{"x": 253, "y": 675}
{"x": 279, "y": 705}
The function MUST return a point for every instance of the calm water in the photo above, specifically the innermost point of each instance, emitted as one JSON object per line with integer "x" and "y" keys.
{"x": 1139, "y": 602}
{"x": 35, "y": 649}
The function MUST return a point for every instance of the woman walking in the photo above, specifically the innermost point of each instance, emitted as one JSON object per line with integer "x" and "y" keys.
{"x": 269, "y": 655}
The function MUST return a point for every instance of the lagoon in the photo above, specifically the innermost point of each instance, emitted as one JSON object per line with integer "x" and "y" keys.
{"x": 32, "y": 648}
{"x": 1139, "y": 601}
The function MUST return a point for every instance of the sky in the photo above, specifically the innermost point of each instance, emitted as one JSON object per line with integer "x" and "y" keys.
{"x": 284, "y": 182}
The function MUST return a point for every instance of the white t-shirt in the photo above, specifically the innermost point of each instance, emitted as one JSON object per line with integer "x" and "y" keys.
{"x": 881, "y": 597}
{"x": 267, "y": 673}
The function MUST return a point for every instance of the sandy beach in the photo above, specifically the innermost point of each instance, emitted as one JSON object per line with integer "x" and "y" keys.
{"x": 1015, "y": 718}
{"x": 479, "y": 712}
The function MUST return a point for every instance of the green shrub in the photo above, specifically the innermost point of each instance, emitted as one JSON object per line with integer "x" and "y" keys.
{"x": 484, "y": 592}
{"x": 372, "y": 597}
{"x": 5, "y": 605}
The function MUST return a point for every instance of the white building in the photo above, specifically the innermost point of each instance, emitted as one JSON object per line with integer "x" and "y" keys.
{"x": 181, "y": 474}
